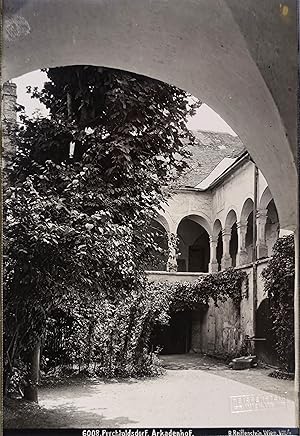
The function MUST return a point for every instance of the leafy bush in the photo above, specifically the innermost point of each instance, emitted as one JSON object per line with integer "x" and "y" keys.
{"x": 279, "y": 277}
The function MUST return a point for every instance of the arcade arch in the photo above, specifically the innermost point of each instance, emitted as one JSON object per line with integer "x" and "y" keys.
{"x": 231, "y": 226}
{"x": 265, "y": 198}
{"x": 268, "y": 226}
{"x": 194, "y": 249}
{"x": 246, "y": 232}
{"x": 272, "y": 226}
{"x": 163, "y": 222}
{"x": 216, "y": 247}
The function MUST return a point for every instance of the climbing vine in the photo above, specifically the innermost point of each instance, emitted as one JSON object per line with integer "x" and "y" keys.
{"x": 114, "y": 340}
{"x": 279, "y": 277}
{"x": 219, "y": 287}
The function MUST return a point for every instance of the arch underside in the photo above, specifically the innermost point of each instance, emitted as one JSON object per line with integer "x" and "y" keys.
{"x": 265, "y": 198}
{"x": 231, "y": 218}
{"x": 246, "y": 210}
{"x": 194, "y": 249}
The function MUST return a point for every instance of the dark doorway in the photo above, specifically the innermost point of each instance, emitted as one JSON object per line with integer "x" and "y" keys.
{"x": 265, "y": 350}
{"x": 176, "y": 337}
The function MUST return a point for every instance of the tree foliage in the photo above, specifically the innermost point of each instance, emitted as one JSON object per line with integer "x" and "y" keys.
{"x": 84, "y": 184}
{"x": 279, "y": 278}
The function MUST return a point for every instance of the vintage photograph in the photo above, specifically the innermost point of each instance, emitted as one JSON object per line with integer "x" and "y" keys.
{"x": 150, "y": 230}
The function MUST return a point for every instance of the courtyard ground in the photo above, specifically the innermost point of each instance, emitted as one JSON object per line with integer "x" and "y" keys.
{"x": 195, "y": 391}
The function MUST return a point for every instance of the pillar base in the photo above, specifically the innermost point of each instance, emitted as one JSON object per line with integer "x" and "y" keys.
{"x": 262, "y": 251}
{"x": 226, "y": 262}
{"x": 172, "y": 266}
{"x": 242, "y": 258}
{"x": 213, "y": 266}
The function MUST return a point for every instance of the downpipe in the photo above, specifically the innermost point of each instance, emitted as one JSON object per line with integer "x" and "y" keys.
{"x": 254, "y": 252}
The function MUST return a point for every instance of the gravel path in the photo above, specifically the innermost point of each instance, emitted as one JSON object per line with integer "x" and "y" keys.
{"x": 180, "y": 398}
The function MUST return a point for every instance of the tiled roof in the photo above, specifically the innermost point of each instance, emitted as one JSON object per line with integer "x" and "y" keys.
{"x": 210, "y": 149}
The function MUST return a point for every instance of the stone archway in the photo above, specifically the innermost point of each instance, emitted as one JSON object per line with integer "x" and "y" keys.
{"x": 223, "y": 65}
{"x": 246, "y": 209}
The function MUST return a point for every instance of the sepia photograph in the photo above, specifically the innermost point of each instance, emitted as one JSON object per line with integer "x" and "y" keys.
{"x": 150, "y": 217}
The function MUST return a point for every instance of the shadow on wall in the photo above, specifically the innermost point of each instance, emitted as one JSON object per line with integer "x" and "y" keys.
{"x": 265, "y": 349}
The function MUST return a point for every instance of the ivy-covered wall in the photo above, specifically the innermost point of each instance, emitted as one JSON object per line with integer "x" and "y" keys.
{"x": 221, "y": 330}
{"x": 217, "y": 330}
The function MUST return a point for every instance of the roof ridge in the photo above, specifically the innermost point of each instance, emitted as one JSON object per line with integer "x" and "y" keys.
{"x": 214, "y": 132}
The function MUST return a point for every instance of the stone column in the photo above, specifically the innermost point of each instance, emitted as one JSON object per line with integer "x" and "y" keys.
{"x": 261, "y": 244}
{"x": 242, "y": 255}
{"x": 213, "y": 264}
{"x": 226, "y": 259}
{"x": 172, "y": 260}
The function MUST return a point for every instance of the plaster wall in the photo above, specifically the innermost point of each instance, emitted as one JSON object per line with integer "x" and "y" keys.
{"x": 235, "y": 190}
{"x": 261, "y": 294}
{"x": 224, "y": 328}
{"x": 184, "y": 203}
{"x": 171, "y": 277}
{"x": 233, "y": 193}
{"x": 220, "y": 330}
